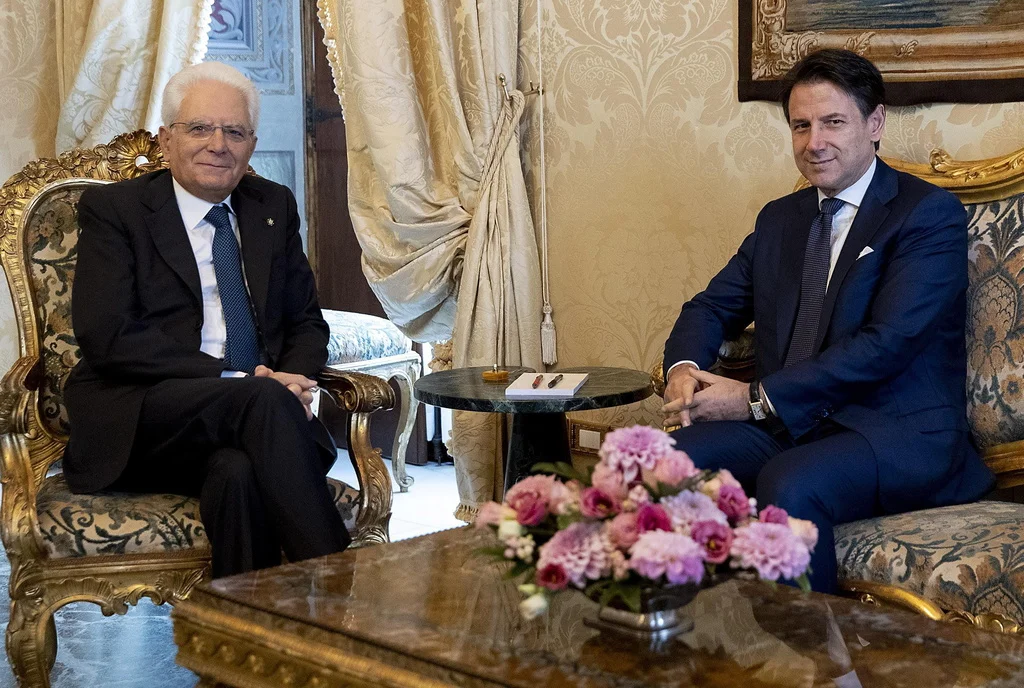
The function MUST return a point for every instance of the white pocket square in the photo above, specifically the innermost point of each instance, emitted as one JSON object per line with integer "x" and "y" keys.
{"x": 867, "y": 251}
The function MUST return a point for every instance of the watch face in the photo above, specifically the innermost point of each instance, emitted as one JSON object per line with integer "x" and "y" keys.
{"x": 756, "y": 411}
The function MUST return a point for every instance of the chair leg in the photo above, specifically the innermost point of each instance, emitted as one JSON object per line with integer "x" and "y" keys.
{"x": 406, "y": 424}
{"x": 31, "y": 642}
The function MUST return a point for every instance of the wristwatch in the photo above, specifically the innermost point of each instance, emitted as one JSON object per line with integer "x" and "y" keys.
{"x": 758, "y": 408}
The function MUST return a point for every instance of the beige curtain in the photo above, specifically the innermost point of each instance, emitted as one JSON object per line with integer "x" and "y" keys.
{"x": 114, "y": 58}
{"x": 436, "y": 189}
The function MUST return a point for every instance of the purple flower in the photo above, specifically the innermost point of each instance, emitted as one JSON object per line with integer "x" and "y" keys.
{"x": 581, "y": 550}
{"x": 733, "y": 502}
{"x": 772, "y": 549}
{"x": 596, "y": 503}
{"x": 552, "y": 577}
{"x": 628, "y": 450}
{"x": 673, "y": 555}
{"x": 715, "y": 538}
{"x": 622, "y": 530}
{"x": 773, "y": 514}
{"x": 686, "y": 508}
{"x": 652, "y": 517}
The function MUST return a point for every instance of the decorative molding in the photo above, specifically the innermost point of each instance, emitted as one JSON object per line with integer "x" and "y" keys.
{"x": 256, "y": 37}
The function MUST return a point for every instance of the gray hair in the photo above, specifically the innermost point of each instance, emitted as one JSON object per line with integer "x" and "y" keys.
{"x": 179, "y": 84}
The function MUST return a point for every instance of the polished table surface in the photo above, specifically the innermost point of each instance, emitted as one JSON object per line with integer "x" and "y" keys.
{"x": 463, "y": 389}
{"x": 539, "y": 430}
{"x": 432, "y": 612}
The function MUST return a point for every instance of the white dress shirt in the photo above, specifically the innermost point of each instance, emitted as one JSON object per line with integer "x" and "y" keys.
{"x": 853, "y": 197}
{"x": 200, "y": 234}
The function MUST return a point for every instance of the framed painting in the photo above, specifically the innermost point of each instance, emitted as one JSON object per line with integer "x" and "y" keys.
{"x": 952, "y": 51}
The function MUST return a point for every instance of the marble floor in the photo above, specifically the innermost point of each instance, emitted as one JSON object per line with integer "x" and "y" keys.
{"x": 138, "y": 648}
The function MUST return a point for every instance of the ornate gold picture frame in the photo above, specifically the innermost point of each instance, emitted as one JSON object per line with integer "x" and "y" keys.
{"x": 928, "y": 50}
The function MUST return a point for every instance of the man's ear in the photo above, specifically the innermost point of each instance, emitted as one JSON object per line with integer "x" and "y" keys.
{"x": 876, "y": 120}
{"x": 162, "y": 136}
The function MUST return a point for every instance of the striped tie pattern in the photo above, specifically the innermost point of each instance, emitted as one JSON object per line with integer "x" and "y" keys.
{"x": 242, "y": 351}
{"x": 813, "y": 282}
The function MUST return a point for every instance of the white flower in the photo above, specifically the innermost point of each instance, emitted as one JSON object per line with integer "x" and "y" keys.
{"x": 805, "y": 530}
{"x": 533, "y": 606}
{"x": 509, "y": 529}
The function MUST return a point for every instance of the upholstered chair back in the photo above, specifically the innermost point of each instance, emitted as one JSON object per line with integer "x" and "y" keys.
{"x": 39, "y": 207}
{"x": 995, "y": 320}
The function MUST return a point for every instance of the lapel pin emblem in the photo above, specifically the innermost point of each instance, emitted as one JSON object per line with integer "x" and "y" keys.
{"x": 270, "y": 222}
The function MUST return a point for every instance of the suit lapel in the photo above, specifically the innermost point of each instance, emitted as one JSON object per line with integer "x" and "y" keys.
{"x": 870, "y": 216}
{"x": 247, "y": 202}
{"x": 169, "y": 234}
{"x": 794, "y": 245}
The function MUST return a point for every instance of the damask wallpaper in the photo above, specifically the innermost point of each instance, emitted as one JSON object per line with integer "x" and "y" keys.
{"x": 655, "y": 172}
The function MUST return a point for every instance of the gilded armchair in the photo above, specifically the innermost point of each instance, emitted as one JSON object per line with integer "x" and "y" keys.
{"x": 111, "y": 549}
{"x": 960, "y": 563}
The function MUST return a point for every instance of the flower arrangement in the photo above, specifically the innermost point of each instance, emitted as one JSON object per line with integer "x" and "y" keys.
{"x": 645, "y": 518}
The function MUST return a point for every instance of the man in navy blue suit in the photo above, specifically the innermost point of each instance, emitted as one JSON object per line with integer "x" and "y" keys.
{"x": 858, "y": 290}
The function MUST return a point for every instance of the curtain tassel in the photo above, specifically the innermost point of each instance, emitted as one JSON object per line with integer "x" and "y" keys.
{"x": 547, "y": 338}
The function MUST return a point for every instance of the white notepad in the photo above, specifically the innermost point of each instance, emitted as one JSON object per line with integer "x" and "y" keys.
{"x": 566, "y": 387}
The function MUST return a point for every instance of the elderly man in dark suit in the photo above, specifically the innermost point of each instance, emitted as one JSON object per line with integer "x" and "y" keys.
{"x": 197, "y": 317}
{"x": 858, "y": 290}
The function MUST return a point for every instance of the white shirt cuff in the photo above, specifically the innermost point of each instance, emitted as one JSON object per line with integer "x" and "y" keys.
{"x": 765, "y": 399}
{"x": 233, "y": 373}
{"x": 675, "y": 365}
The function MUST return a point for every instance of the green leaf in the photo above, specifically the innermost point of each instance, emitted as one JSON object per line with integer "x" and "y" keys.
{"x": 804, "y": 582}
{"x": 566, "y": 520}
{"x": 562, "y": 470}
{"x": 497, "y": 551}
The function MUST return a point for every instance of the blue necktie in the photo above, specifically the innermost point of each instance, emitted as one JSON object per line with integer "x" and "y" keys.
{"x": 813, "y": 282}
{"x": 242, "y": 351}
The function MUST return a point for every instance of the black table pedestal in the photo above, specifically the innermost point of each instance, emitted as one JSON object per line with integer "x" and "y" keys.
{"x": 536, "y": 438}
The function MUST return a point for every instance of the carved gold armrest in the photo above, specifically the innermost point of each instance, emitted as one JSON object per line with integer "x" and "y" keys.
{"x": 735, "y": 360}
{"x": 19, "y": 523}
{"x": 16, "y": 394}
{"x": 361, "y": 395}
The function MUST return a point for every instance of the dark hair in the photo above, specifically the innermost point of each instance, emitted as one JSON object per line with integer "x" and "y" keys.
{"x": 854, "y": 75}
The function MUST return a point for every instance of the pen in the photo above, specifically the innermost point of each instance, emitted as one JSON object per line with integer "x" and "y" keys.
{"x": 555, "y": 381}
{"x": 536, "y": 382}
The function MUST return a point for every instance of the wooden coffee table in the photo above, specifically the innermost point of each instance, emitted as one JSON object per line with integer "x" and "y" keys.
{"x": 429, "y": 612}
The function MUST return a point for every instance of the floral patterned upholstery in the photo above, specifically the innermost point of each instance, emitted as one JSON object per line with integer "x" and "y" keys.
{"x": 359, "y": 337}
{"x": 968, "y": 558}
{"x": 51, "y": 236}
{"x": 74, "y": 525}
{"x": 995, "y": 321}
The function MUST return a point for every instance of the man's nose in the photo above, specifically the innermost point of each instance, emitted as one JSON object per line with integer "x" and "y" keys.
{"x": 217, "y": 142}
{"x": 816, "y": 139}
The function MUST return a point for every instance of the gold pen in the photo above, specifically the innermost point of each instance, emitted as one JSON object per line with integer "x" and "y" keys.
{"x": 555, "y": 381}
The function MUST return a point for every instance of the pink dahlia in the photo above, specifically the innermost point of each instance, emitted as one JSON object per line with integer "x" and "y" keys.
{"x": 531, "y": 496}
{"x": 628, "y": 450}
{"x": 673, "y": 555}
{"x": 581, "y": 550}
{"x": 686, "y": 508}
{"x": 652, "y": 517}
{"x": 715, "y": 538}
{"x": 773, "y": 514}
{"x": 733, "y": 502}
{"x": 772, "y": 549}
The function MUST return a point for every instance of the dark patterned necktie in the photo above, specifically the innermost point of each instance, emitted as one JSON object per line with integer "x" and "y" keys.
{"x": 242, "y": 351}
{"x": 813, "y": 282}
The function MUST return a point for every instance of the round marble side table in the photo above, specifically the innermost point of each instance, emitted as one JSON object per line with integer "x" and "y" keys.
{"x": 539, "y": 431}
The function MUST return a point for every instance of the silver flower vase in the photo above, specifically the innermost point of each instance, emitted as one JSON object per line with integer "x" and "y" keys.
{"x": 660, "y": 617}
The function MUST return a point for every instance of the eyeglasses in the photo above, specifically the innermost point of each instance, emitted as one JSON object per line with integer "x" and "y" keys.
{"x": 201, "y": 131}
